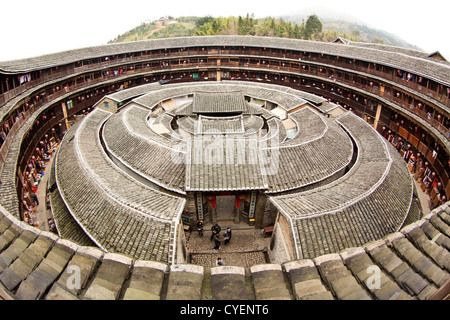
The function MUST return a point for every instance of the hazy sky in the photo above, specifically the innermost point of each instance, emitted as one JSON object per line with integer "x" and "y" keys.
{"x": 31, "y": 27}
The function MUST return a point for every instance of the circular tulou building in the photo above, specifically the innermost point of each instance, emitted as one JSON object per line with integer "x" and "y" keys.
{"x": 339, "y": 151}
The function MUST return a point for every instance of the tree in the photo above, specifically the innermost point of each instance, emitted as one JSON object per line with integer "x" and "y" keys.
{"x": 376, "y": 39}
{"x": 313, "y": 26}
{"x": 203, "y": 20}
{"x": 290, "y": 30}
{"x": 280, "y": 28}
{"x": 297, "y": 32}
{"x": 246, "y": 26}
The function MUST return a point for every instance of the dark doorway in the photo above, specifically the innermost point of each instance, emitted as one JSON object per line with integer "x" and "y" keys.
{"x": 225, "y": 207}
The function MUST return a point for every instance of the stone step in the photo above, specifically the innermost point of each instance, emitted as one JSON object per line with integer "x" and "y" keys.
{"x": 435, "y": 235}
{"x": 13, "y": 275}
{"x": 445, "y": 215}
{"x": 19, "y": 245}
{"x": 7, "y": 237}
{"x": 308, "y": 287}
{"x": 437, "y": 253}
{"x": 439, "y": 224}
{"x": 4, "y": 223}
{"x": 59, "y": 293}
{"x": 324, "y": 295}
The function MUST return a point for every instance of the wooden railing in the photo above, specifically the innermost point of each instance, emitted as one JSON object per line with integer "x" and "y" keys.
{"x": 288, "y": 55}
{"x": 267, "y": 67}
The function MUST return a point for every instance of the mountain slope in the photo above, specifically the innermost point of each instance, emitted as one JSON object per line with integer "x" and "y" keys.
{"x": 356, "y": 31}
{"x": 293, "y": 26}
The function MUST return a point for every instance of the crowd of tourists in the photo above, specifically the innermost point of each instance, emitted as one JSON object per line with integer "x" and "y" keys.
{"x": 32, "y": 177}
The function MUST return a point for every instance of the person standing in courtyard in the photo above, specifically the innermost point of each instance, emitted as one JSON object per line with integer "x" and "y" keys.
{"x": 227, "y": 235}
{"x": 215, "y": 230}
{"x": 217, "y": 241}
{"x": 200, "y": 228}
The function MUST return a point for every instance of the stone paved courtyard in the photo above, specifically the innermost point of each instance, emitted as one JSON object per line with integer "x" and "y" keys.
{"x": 246, "y": 248}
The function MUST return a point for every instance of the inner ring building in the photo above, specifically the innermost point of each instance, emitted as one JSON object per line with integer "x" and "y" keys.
{"x": 320, "y": 141}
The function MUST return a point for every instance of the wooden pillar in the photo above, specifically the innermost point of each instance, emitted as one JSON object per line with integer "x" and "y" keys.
{"x": 260, "y": 210}
{"x": 237, "y": 214}
{"x": 219, "y": 75}
{"x": 214, "y": 210}
{"x": 377, "y": 116}
{"x": 64, "y": 109}
{"x": 381, "y": 90}
{"x": 237, "y": 209}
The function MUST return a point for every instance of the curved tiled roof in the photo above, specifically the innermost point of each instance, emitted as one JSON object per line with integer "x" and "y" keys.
{"x": 324, "y": 150}
{"x": 135, "y": 120}
{"x": 165, "y": 121}
{"x": 187, "y": 124}
{"x": 135, "y": 92}
{"x": 220, "y": 125}
{"x": 276, "y": 133}
{"x": 115, "y": 211}
{"x": 66, "y": 225}
{"x": 306, "y": 162}
{"x": 357, "y": 208}
{"x": 286, "y": 98}
{"x": 252, "y": 125}
{"x": 310, "y": 126}
{"x": 128, "y": 138}
{"x": 218, "y": 102}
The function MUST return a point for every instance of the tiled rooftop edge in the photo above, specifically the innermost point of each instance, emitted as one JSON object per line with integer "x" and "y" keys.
{"x": 215, "y": 271}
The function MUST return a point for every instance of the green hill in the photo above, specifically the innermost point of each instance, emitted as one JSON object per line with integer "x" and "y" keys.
{"x": 355, "y": 31}
{"x": 311, "y": 27}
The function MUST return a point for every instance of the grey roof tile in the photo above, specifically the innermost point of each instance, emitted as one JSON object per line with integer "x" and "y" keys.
{"x": 218, "y": 102}
{"x": 215, "y": 163}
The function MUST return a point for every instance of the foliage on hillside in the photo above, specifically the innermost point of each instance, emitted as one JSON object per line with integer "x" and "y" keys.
{"x": 289, "y": 27}
{"x": 203, "y": 26}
